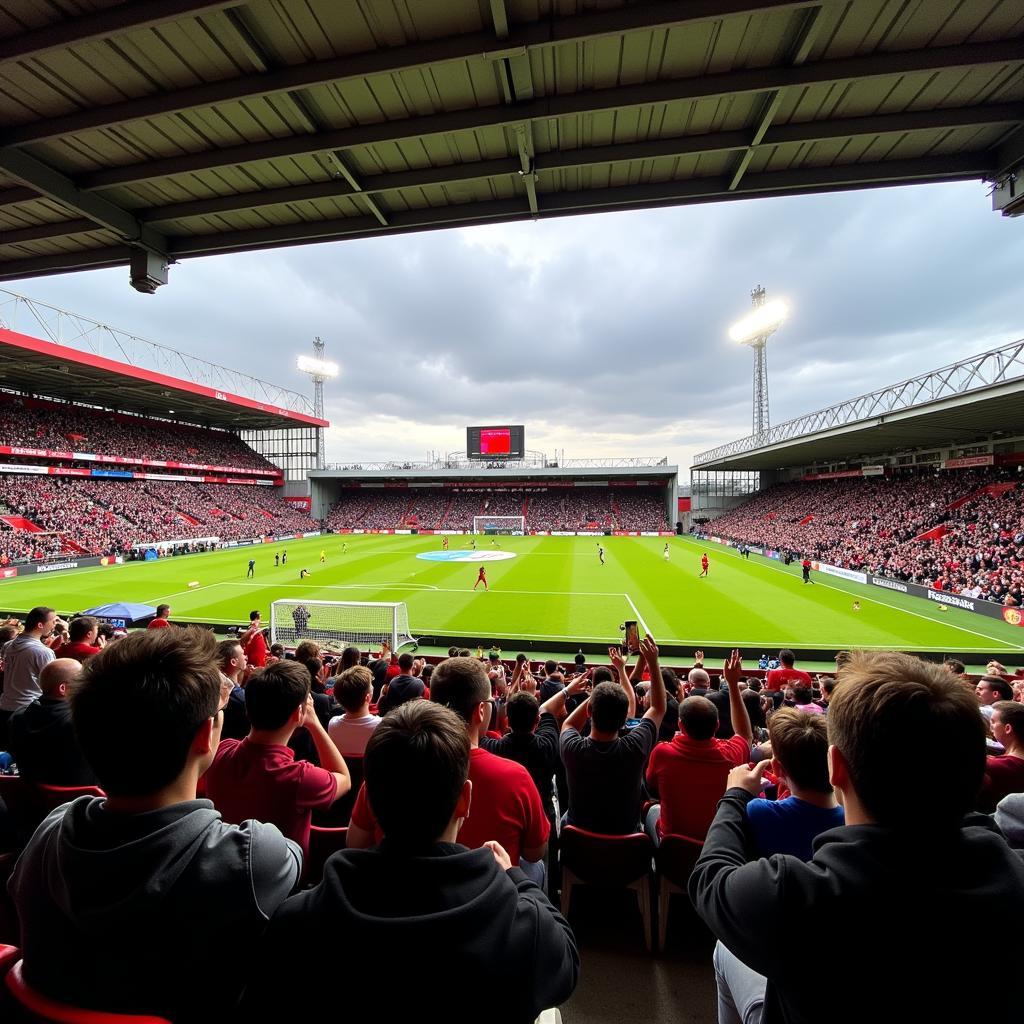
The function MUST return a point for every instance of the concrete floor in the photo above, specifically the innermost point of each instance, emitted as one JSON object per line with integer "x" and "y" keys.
{"x": 621, "y": 983}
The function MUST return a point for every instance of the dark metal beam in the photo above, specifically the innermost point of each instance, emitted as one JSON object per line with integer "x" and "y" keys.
{"x": 41, "y": 232}
{"x": 110, "y": 21}
{"x": 652, "y": 149}
{"x": 1010, "y": 154}
{"x": 13, "y": 196}
{"x": 37, "y": 175}
{"x": 807, "y": 181}
{"x": 660, "y": 193}
{"x": 810, "y": 26}
{"x": 649, "y": 16}
{"x": 679, "y": 90}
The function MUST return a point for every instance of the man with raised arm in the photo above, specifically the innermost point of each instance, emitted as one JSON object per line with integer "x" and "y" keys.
{"x": 605, "y": 769}
{"x": 689, "y": 774}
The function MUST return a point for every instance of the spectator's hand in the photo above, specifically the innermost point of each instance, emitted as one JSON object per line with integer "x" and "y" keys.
{"x": 308, "y": 711}
{"x": 576, "y": 685}
{"x": 698, "y": 657}
{"x": 745, "y": 777}
{"x": 503, "y": 859}
{"x": 733, "y": 668}
{"x": 616, "y": 658}
{"x": 649, "y": 649}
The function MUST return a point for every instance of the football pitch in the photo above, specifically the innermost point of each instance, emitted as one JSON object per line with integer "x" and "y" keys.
{"x": 549, "y": 591}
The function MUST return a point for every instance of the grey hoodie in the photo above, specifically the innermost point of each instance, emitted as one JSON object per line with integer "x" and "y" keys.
{"x": 153, "y": 913}
{"x": 24, "y": 658}
{"x": 1010, "y": 819}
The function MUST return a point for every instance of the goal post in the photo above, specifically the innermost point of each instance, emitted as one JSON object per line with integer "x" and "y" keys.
{"x": 513, "y": 525}
{"x": 337, "y": 624}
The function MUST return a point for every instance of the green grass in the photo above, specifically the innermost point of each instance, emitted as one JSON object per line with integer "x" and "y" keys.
{"x": 553, "y": 593}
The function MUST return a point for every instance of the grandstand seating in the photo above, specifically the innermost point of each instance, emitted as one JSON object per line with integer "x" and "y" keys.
{"x": 109, "y": 516}
{"x": 33, "y": 423}
{"x": 959, "y": 531}
{"x": 554, "y": 509}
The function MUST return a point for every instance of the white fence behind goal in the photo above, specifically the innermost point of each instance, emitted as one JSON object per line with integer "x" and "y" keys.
{"x": 499, "y": 524}
{"x": 337, "y": 624}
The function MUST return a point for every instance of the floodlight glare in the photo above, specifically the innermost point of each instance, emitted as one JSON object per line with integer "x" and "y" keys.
{"x": 761, "y": 321}
{"x": 318, "y": 367}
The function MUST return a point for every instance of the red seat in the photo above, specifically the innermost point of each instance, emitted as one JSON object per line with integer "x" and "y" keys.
{"x": 53, "y": 796}
{"x": 322, "y": 843}
{"x": 610, "y": 862}
{"x": 34, "y": 1006}
{"x": 674, "y": 860}
{"x": 9, "y": 955}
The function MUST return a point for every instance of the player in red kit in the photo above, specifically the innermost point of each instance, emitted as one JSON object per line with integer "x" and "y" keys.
{"x": 481, "y": 577}
{"x": 703, "y": 565}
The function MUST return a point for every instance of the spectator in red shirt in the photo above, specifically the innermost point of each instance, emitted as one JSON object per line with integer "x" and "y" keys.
{"x": 778, "y": 678}
{"x": 506, "y": 806}
{"x": 258, "y": 777}
{"x": 82, "y": 639}
{"x": 689, "y": 774}
{"x": 254, "y": 643}
{"x": 1004, "y": 775}
{"x": 163, "y": 613}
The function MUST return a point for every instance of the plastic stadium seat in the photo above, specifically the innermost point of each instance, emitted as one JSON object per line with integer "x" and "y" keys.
{"x": 674, "y": 860}
{"x": 33, "y": 1006}
{"x": 609, "y": 862}
{"x": 9, "y": 955}
{"x": 322, "y": 843}
{"x": 53, "y": 796}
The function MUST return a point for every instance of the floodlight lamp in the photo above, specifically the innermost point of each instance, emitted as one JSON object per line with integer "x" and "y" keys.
{"x": 762, "y": 321}
{"x": 318, "y": 367}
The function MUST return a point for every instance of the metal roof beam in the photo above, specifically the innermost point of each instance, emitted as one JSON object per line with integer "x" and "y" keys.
{"x": 678, "y": 90}
{"x": 642, "y": 17}
{"x": 455, "y": 174}
{"x": 51, "y": 183}
{"x": 810, "y": 26}
{"x": 111, "y": 21}
{"x": 946, "y": 168}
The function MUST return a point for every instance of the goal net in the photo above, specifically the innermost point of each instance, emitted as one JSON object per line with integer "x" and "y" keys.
{"x": 337, "y": 624}
{"x": 499, "y": 524}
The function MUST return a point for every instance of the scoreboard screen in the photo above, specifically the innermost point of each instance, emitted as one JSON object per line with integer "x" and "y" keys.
{"x": 498, "y": 443}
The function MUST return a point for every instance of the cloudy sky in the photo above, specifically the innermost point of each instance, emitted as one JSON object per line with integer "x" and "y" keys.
{"x": 604, "y": 334}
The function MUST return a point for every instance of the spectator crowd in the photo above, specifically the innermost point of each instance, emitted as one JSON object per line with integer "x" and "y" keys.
{"x": 879, "y": 525}
{"x": 812, "y": 815}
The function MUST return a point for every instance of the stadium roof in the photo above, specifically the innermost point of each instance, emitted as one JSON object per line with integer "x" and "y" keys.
{"x": 56, "y": 371}
{"x": 149, "y": 131}
{"x": 82, "y": 360}
{"x": 974, "y": 399}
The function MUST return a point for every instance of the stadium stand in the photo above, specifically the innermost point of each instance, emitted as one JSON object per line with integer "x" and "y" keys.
{"x": 960, "y": 531}
{"x": 43, "y": 516}
{"x": 38, "y": 424}
{"x": 553, "y": 509}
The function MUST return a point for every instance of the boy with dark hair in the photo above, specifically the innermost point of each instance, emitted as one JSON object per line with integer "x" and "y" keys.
{"x": 605, "y": 769}
{"x": 82, "y": 634}
{"x": 352, "y": 729}
{"x": 506, "y": 805}
{"x": 154, "y": 887}
{"x": 405, "y": 686}
{"x": 1003, "y": 774}
{"x": 905, "y": 845}
{"x": 162, "y": 618}
{"x": 778, "y": 679}
{"x": 800, "y": 762}
{"x": 422, "y": 889}
{"x": 258, "y": 777}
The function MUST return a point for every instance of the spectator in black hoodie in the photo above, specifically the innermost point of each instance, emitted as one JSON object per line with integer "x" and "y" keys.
{"x": 502, "y": 950}
{"x": 405, "y": 686}
{"x": 890, "y": 890}
{"x": 43, "y": 740}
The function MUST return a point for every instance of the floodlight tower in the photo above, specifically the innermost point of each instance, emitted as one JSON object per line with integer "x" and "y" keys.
{"x": 754, "y": 330}
{"x": 319, "y": 370}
